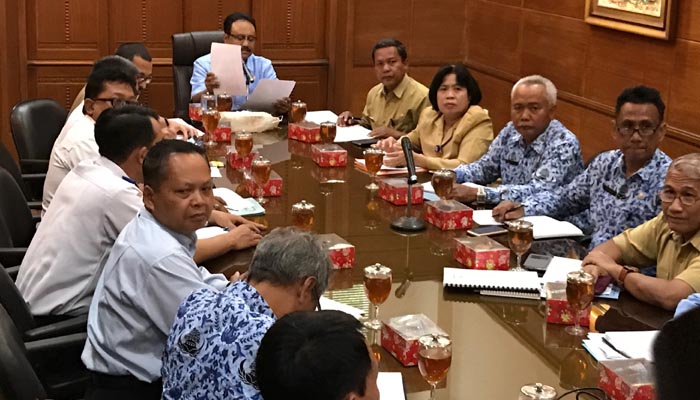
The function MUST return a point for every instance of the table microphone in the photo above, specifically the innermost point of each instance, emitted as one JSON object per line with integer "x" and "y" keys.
{"x": 408, "y": 222}
{"x": 408, "y": 155}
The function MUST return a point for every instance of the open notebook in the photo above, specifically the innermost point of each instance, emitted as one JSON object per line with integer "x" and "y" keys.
{"x": 521, "y": 284}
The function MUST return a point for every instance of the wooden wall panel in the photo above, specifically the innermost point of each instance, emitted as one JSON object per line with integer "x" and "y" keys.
{"x": 312, "y": 82}
{"x": 209, "y": 15}
{"x": 437, "y": 33}
{"x": 374, "y": 20}
{"x": 61, "y": 83}
{"x": 159, "y": 94}
{"x": 152, "y": 22}
{"x": 293, "y": 30}
{"x": 684, "y": 102}
{"x": 494, "y": 47}
{"x": 10, "y": 91}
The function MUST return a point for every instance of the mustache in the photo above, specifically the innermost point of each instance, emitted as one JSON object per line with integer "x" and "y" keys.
{"x": 246, "y": 48}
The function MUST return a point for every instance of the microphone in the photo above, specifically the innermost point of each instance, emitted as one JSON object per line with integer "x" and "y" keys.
{"x": 408, "y": 154}
{"x": 249, "y": 77}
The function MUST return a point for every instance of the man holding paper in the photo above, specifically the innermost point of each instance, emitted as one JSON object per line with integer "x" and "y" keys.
{"x": 239, "y": 29}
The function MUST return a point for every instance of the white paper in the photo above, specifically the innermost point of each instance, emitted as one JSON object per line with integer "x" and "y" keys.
{"x": 318, "y": 117}
{"x": 227, "y": 64}
{"x": 237, "y": 204}
{"x": 484, "y": 218}
{"x": 599, "y": 349}
{"x": 559, "y": 267}
{"x": 330, "y": 304}
{"x": 215, "y": 173}
{"x": 390, "y": 386}
{"x": 182, "y": 122}
{"x": 350, "y": 133}
{"x": 266, "y": 93}
{"x": 209, "y": 232}
{"x": 636, "y": 344}
{"x": 544, "y": 227}
{"x": 428, "y": 187}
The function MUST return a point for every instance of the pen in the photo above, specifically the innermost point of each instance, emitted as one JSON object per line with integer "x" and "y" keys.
{"x": 607, "y": 342}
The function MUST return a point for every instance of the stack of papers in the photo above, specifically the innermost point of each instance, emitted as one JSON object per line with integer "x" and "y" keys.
{"x": 544, "y": 227}
{"x": 559, "y": 267}
{"x": 237, "y": 204}
{"x": 342, "y": 133}
{"x": 330, "y": 304}
{"x": 621, "y": 345}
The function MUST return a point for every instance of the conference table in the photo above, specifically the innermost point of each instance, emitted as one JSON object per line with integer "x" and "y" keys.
{"x": 499, "y": 344}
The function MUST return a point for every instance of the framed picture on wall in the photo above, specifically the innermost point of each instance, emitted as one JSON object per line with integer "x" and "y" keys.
{"x": 652, "y": 18}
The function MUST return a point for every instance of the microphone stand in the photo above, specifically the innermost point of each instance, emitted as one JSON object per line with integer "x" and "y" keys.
{"x": 409, "y": 223}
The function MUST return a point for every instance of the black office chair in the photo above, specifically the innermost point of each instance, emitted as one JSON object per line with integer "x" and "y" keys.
{"x": 17, "y": 225}
{"x": 31, "y": 184}
{"x": 187, "y": 47}
{"x": 35, "y": 125}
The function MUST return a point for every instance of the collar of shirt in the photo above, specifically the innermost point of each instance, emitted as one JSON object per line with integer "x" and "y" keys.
{"x": 400, "y": 88}
{"x": 250, "y": 296}
{"x": 113, "y": 167}
{"x": 538, "y": 145}
{"x": 188, "y": 241}
{"x": 649, "y": 171}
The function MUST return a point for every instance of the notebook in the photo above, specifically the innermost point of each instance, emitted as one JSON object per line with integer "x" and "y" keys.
{"x": 520, "y": 284}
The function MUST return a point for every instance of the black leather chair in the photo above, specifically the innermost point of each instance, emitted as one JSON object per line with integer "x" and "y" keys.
{"x": 187, "y": 47}
{"x": 35, "y": 125}
{"x": 17, "y": 225}
{"x": 31, "y": 184}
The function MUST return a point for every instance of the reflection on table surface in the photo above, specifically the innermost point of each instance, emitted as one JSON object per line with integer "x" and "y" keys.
{"x": 499, "y": 344}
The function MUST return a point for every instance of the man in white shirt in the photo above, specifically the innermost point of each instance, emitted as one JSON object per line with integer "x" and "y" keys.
{"x": 150, "y": 271}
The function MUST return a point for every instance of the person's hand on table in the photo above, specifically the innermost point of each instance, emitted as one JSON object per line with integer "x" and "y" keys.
{"x": 226, "y": 220}
{"x": 600, "y": 264}
{"x": 385, "y": 132}
{"x": 220, "y": 205}
{"x": 282, "y": 106}
{"x": 507, "y": 211}
{"x": 462, "y": 193}
{"x": 211, "y": 82}
{"x": 389, "y": 145}
{"x": 394, "y": 159}
{"x": 345, "y": 119}
{"x": 244, "y": 236}
{"x": 185, "y": 130}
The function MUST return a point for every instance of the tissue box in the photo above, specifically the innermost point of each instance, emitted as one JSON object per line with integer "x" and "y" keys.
{"x": 395, "y": 191}
{"x": 299, "y": 148}
{"x": 341, "y": 253}
{"x": 195, "y": 111}
{"x": 481, "y": 252}
{"x": 304, "y": 132}
{"x": 273, "y": 188}
{"x": 235, "y": 161}
{"x": 558, "y": 310}
{"x": 448, "y": 214}
{"x": 222, "y": 134}
{"x": 400, "y": 336}
{"x": 329, "y": 155}
{"x": 630, "y": 379}
{"x": 329, "y": 175}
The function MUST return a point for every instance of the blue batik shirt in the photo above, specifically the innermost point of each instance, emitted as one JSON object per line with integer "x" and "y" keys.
{"x": 552, "y": 159}
{"x": 211, "y": 349}
{"x": 602, "y": 201}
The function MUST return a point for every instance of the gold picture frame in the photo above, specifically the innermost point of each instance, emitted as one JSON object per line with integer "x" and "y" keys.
{"x": 644, "y": 17}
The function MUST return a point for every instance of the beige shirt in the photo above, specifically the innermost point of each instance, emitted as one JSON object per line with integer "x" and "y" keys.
{"x": 654, "y": 243}
{"x": 78, "y": 99}
{"x": 398, "y": 109}
{"x": 465, "y": 142}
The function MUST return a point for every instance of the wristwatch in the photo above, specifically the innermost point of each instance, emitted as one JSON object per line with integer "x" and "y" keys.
{"x": 480, "y": 195}
{"x": 623, "y": 274}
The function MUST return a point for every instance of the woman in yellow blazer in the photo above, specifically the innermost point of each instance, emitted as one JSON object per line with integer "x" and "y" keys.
{"x": 454, "y": 131}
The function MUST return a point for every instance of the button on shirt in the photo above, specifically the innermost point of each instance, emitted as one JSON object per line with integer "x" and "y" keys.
{"x": 150, "y": 271}
{"x": 63, "y": 263}
{"x": 399, "y": 109}
{"x": 259, "y": 67}
{"x": 552, "y": 159}
{"x": 74, "y": 144}
{"x": 608, "y": 201}
{"x": 212, "y": 347}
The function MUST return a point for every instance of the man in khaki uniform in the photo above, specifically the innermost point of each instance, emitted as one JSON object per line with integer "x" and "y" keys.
{"x": 394, "y": 105}
{"x": 671, "y": 241}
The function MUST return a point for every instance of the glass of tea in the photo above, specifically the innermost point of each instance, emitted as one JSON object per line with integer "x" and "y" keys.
{"x": 327, "y": 132}
{"x": 224, "y": 102}
{"x": 303, "y": 215}
{"x": 520, "y": 240}
{"x": 434, "y": 359}
{"x": 374, "y": 158}
{"x": 442, "y": 182}
{"x": 579, "y": 294}
{"x": 243, "y": 142}
{"x": 298, "y": 111}
{"x": 210, "y": 120}
{"x": 260, "y": 169}
{"x": 208, "y": 101}
{"x": 377, "y": 289}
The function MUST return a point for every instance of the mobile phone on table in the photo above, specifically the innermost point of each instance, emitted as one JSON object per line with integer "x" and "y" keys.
{"x": 537, "y": 262}
{"x": 487, "y": 230}
{"x": 364, "y": 142}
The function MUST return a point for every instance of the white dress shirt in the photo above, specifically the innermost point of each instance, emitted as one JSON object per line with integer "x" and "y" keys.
{"x": 150, "y": 271}
{"x": 63, "y": 263}
{"x": 74, "y": 144}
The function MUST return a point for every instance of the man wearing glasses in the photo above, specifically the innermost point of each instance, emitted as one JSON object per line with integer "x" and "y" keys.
{"x": 618, "y": 189}
{"x": 671, "y": 241}
{"x": 239, "y": 29}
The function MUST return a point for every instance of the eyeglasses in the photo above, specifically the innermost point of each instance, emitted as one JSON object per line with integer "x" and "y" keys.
{"x": 118, "y": 102}
{"x": 669, "y": 196}
{"x": 242, "y": 38}
{"x": 144, "y": 78}
{"x": 644, "y": 130}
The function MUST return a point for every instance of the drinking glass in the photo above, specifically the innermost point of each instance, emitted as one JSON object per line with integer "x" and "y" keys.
{"x": 377, "y": 289}
{"x": 442, "y": 181}
{"x": 210, "y": 119}
{"x": 224, "y": 102}
{"x": 434, "y": 359}
{"x": 520, "y": 239}
{"x": 579, "y": 294}
{"x": 297, "y": 113}
{"x": 303, "y": 215}
{"x": 261, "y": 168}
{"x": 327, "y": 132}
{"x": 374, "y": 158}
{"x": 243, "y": 142}
{"x": 208, "y": 102}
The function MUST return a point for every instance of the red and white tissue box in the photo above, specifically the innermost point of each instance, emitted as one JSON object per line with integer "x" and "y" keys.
{"x": 481, "y": 252}
{"x": 395, "y": 191}
{"x": 449, "y": 214}
{"x": 329, "y": 155}
{"x": 558, "y": 310}
{"x": 273, "y": 188}
{"x": 304, "y": 132}
{"x": 630, "y": 379}
{"x": 222, "y": 134}
{"x": 400, "y": 336}
{"x": 195, "y": 111}
{"x": 341, "y": 253}
{"x": 235, "y": 160}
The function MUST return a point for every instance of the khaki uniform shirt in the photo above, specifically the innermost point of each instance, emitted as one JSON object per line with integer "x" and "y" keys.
{"x": 465, "y": 142}
{"x": 654, "y": 243}
{"x": 398, "y": 109}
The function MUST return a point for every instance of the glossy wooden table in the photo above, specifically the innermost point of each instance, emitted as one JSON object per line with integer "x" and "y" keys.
{"x": 499, "y": 344}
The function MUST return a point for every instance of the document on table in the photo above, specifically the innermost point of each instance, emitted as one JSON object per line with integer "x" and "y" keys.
{"x": 237, "y": 204}
{"x": 320, "y": 116}
{"x": 215, "y": 172}
{"x": 621, "y": 345}
{"x": 227, "y": 64}
{"x": 360, "y": 163}
{"x": 390, "y": 386}
{"x": 350, "y": 133}
{"x": 330, "y": 304}
{"x": 429, "y": 193}
{"x": 559, "y": 267}
{"x": 544, "y": 227}
{"x": 266, "y": 93}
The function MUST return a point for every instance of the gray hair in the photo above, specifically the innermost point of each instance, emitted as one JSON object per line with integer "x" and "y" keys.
{"x": 286, "y": 256}
{"x": 550, "y": 89}
{"x": 688, "y": 165}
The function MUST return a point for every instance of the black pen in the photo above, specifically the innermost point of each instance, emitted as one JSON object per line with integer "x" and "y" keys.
{"x": 612, "y": 346}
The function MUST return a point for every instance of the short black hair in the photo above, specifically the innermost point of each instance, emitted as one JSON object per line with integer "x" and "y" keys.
{"x": 677, "y": 357}
{"x": 119, "y": 131}
{"x": 313, "y": 355}
{"x": 384, "y": 43}
{"x": 155, "y": 166}
{"x": 110, "y": 69}
{"x": 464, "y": 79}
{"x": 130, "y": 50}
{"x": 237, "y": 16}
{"x": 641, "y": 95}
